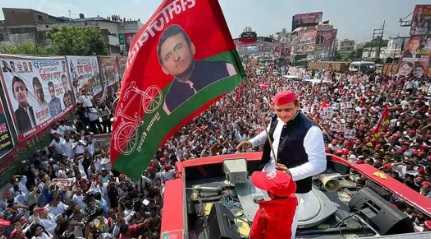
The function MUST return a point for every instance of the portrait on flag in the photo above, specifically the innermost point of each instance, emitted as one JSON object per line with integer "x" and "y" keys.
{"x": 38, "y": 91}
{"x": 176, "y": 68}
{"x": 176, "y": 52}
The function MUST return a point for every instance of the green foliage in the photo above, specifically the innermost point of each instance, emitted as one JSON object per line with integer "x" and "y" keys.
{"x": 357, "y": 54}
{"x": 375, "y": 43}
{"x": 78, "y": 41}
{"x": 26, "y": 48}
{"x": 349, "y": 55}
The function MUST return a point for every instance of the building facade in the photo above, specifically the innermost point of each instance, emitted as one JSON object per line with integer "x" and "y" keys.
{"x": 28, "y": 25}
{"x": 346, "y": 45}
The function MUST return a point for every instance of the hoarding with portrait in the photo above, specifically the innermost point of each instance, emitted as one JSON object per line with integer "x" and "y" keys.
{"x": 326, "y": 38}
{"x": 6, "y": 142}
{"x": 413, "y": 67}
{"x": 417, "y": 47}
{"x": 109, "y": 70}
{"x": 84, "y": 74}
{"x": 122, "y": 62}
{"x": 306, "y": 19}
{"x": 38, "y": 91}
{"x": 421, "y": 21}
{"x": 306, "y": 41}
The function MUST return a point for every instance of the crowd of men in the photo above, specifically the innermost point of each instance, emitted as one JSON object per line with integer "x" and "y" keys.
{"x": 68, "y": 189}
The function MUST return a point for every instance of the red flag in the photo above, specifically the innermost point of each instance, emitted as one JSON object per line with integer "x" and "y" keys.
{"x": 263, "y": 86}
{"x": 181, "y": 61}
{"x": 383, "y": 117}
{"x": 383, "y": 120}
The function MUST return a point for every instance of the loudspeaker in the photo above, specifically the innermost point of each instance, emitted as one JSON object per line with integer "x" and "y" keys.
{"x": 381, "y": 191}
{"x": 221, "y": 223}
{"x": 386, "y": 218}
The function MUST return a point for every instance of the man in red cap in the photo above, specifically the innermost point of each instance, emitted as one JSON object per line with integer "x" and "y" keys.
{"x": 297, "y": 148}
{"x": 273, "y": 219}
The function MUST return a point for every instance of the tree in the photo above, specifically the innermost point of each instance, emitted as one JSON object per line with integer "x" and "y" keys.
{"x": 357, "y": 55}
{"x": 26, "y": 48}
{"x": 78, "y": 41}
{"x": 375, "y": 43}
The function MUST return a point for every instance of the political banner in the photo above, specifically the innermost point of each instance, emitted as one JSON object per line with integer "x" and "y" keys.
{"x": 421, "y": 21}
{"x": 306, "y": 41}
{"x": 38, "y": 91}
{"x": 417, "y": 47}
{"x": 306, "y": 19}
{"x": 122, "y": 61}
{"x": 109, "y": 72}
{"x": 6, "y": 142}
{"x": 84, "y": 74}
{"x": 128, "y": 40}
{"x": 326, "y": 38}
{"x": 415, "y": 67}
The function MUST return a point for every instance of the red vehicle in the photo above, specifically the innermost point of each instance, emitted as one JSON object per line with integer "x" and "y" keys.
{"x": 366, "y": 202}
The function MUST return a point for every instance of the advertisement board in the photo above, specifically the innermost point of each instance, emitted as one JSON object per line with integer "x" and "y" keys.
{"x": 38, "y": 91}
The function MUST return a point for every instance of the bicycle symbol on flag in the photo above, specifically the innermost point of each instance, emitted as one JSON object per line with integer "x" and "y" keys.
{"x": 126, "y": 136}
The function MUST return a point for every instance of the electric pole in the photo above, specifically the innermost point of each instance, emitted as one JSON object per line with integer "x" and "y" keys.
{"x": 378, "y": 35}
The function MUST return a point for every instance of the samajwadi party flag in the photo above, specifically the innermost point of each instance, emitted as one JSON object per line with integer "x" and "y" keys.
{"x": 180, "y": 62}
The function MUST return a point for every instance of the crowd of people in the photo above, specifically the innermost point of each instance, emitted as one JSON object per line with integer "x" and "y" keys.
{"x": 69, "y": 190}
{"x": 366, "y": 118}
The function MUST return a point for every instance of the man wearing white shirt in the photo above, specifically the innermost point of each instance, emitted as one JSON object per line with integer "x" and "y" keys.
{"x": 56, "y": 207}
{"x": 42, "y": 217}
{"x": 297, "y": 147}
{"x": 56, "y": 143}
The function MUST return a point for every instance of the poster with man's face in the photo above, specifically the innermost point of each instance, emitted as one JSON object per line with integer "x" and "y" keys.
{"x": 122, "y": 62}
{"x": 109, "y": 70}
{"x": 176, "y": 54}
{"x": 306, "y": 19}
{"x": 84, "y": 73}
{"x": 417, "y": 47}
{"x": 421, "y": 21}
{"x": 414, "y": 67}
{"x": 36, "y": 90}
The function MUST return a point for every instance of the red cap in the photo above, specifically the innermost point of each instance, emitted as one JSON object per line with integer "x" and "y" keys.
{"x": 421, "y": 170}
{"x": 345, "y": 151}
{"x": 426, "y": 184}
{"x": 40, "y": 210}
{"x": 284, "y": 97}
{"x": 279, "y": 185}
{"x": 387, "y": 166}
{"x": 339, "y": 152}
{"x": 427, "y": 224}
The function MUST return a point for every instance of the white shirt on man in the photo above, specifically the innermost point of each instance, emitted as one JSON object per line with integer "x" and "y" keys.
{"x": 313, "y": 145}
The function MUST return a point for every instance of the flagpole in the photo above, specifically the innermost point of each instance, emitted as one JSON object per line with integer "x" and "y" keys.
{"x": 267, "y": 134}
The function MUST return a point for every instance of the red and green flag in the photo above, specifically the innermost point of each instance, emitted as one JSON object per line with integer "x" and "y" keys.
{"x": 381, "y": 123}
{"x": 180, "y": 62}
